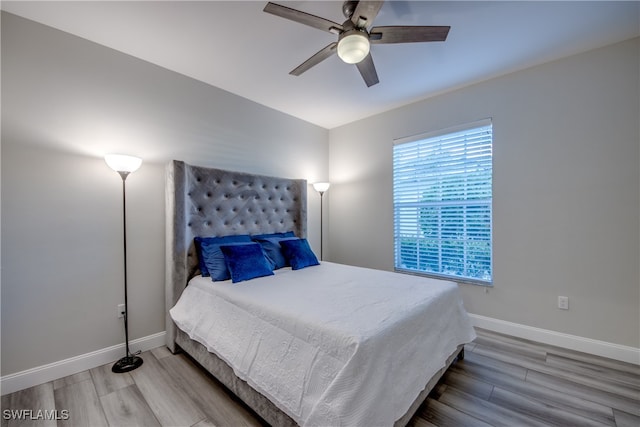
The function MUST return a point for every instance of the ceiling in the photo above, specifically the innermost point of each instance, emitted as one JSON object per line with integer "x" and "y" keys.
{"x": 237, "y": 47}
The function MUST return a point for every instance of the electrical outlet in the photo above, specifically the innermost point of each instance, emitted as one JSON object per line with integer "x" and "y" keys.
{"x": 563, "y": 303}
{"x": 120, "y": 309}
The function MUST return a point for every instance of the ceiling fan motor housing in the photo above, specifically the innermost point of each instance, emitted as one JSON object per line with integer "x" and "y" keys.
{"x": 348, "y": 7}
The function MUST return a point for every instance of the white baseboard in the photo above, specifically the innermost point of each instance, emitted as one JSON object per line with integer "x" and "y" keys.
{"x": 559, "y": 339}
{"x": 53, "y": 371}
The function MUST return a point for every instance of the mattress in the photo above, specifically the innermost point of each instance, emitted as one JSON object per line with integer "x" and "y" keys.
{"x": 329, "y": 344}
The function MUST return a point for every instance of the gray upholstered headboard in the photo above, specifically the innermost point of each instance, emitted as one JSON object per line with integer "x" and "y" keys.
{"x": 212, "y": 202}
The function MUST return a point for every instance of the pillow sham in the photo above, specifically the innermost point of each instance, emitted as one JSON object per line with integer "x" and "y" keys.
{"x": 210, "y": 259}
{"x": 298, "y": 253}
{"x": 246, "y": 261}
{"x": 273, "y": 251}
{"x": 271, "y": 235}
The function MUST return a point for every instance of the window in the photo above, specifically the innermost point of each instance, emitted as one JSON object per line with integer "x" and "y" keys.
{"x": 442, "y": 203}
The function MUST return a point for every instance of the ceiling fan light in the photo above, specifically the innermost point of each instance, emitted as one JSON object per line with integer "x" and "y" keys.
{"x": 353, "y": 47}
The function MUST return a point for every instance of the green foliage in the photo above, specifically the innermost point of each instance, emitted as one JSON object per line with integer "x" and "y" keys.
{"x": 454, "y": 231}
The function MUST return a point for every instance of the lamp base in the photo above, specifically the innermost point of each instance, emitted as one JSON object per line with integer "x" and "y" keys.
{"x": 126, "y": 364}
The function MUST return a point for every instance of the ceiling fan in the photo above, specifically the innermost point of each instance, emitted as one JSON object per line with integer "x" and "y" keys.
{"x": 354, "y": 39}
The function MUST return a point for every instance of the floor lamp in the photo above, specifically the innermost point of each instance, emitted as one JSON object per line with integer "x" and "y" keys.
{"x": 124, "y": 165}
{"x": 321, "y": 187}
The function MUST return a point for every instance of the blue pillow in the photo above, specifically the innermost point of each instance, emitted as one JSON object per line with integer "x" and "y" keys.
{"x": 246, "y": 262}
{"x": 273, "y": 251}
{"x": 208, "y": 250}
{"x": 298, "y": 253}
{"x": 271, "y": 235}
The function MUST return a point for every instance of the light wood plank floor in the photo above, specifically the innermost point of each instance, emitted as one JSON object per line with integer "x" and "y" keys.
{"x": 502, "y": 381}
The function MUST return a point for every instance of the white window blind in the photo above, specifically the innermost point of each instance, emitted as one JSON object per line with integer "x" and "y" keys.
{"x": 442, "y": 195}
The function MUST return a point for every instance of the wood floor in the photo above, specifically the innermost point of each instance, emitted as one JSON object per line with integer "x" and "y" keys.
{"x": 502, "y": 381}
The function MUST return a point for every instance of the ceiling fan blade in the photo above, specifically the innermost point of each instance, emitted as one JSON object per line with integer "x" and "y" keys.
{"x": 367, "y": 11}
{"x": 405, "y": 34}
{"x": 368, "y": 71}
{"x": 303, "y": 18}
{"x": 315, "y": 59}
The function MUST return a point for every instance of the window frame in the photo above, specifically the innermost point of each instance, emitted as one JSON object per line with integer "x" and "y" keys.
{"x": 396, "y": 234}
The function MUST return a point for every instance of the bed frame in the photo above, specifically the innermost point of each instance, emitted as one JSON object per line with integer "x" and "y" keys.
{"x": 212, "y": 202}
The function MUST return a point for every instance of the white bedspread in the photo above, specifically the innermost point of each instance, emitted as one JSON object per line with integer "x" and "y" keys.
{"x": 330, "y": 345}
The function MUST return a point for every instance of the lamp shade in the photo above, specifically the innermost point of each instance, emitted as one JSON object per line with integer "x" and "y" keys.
{"x": 353, "y": 47}
{"x": 321, "y": 187}
{"x": 123, "y": 163}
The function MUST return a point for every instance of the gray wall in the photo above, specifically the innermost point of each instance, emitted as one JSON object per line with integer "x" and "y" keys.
{"x": 566, "y": 191}
{"x": 65, "y": 103}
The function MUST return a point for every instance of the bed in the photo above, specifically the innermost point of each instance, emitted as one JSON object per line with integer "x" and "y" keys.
{"x": 324, "y": 345}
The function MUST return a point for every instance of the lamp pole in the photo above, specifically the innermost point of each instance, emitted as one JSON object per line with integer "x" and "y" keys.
{"x": 321, "y": 187}
{"x": 321, "y": 225}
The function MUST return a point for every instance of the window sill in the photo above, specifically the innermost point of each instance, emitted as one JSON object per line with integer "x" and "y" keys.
{"x": 458, "y": 280}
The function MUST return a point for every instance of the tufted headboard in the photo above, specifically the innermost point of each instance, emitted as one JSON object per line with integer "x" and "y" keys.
{"x": 212, "y": 202}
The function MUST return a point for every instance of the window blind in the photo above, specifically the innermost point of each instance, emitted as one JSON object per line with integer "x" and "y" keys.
{"x": 442, "y": 195}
